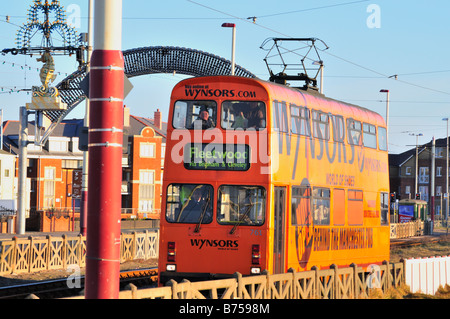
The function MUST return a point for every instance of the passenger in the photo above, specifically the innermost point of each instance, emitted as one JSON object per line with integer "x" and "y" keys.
{"x": 240, "y": 121}
{"x": 255, "y": 116}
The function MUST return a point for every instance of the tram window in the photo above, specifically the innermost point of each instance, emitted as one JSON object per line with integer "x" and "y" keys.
{"x": 301, "y": 206}
{"x": 242, "y": 205}
{"x": 189, "y": 203}
{"x": 243, "y": 114}
{"x": 355, "y": 207}
{"x": 369, "y": 135}
{"x": 321, "y": 206}
{"x": 300, "y": 120}
{"x": 354, "y": 132}
{"x": 382, "y": 138}
{"x": 280, "y": 123}
{"x": 338, "y": 128}
{"x": 384, "y": 208}
{"x": 194, "y": 114}
{"x": 321, "y": 125}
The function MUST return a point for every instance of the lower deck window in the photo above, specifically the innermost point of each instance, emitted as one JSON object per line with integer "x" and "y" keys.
{"x": 244, "y": 205}
{"x": 384, "y": 208}
{"x": 321, "y": 206}
{"x": 301, "y": 206}
{"x": 189, "y": 203}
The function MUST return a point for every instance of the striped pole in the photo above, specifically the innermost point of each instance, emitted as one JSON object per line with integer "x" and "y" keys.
{"x": 105, "y": 153}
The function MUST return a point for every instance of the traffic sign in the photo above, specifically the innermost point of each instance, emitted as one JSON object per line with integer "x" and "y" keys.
{"x": 77, "y": 178}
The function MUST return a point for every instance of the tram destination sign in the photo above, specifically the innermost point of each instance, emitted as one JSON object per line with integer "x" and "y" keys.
{"x": 223, "y": 157}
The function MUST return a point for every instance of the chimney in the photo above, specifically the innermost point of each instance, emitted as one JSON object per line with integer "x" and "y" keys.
{"x": 157, "y": 119}
{"x": 126, "y": 116}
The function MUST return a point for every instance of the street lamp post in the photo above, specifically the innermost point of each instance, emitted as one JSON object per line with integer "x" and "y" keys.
{"x": 417, "y": 160}
{"x": 233, "y": 45}
{"x": 387, "y": 110}
{"x": 446, "y": 179}
{"x": 105, "y": 153}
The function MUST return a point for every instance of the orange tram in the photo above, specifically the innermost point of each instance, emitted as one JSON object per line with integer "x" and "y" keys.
{"x": 259, "y": 176}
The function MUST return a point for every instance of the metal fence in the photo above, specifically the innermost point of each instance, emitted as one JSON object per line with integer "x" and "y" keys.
{"x": 20, "y": 255}
{"x": 335, "y": 283}
{"x": 406, "y": 230}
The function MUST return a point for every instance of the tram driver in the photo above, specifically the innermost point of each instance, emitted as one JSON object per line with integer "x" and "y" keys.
{"x": 203, "y": 121}
{"x": 198, "y": 208}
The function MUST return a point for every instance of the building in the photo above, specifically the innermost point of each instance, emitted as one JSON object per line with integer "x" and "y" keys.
{"x": 51, "y": 166}
{"x": 8, "y": 182}
{"x": 405, "y": 183}
{"x": 142, "y": 166}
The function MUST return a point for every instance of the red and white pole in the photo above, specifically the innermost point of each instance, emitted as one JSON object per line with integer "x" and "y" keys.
{"x": 105, "y": 153}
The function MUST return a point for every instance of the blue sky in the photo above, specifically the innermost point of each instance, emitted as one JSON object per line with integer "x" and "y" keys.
{"x": 406, "y": 38}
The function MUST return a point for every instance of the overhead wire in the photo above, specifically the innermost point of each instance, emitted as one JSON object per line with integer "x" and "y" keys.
{"x": 383, "y": 75}
{"x": 311, "y": 9}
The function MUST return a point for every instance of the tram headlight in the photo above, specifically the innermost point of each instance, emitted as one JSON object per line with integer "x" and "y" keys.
{"x": 170, "y": 267}
{"x": 255, "y": 270}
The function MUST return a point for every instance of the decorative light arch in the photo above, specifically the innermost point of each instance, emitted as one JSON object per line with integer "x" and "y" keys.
{"x": 147, "y": 60}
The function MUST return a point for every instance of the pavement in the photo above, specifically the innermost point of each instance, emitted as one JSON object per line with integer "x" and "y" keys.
{"x": 437, "y": 233}
{"x": 54, "y": 234}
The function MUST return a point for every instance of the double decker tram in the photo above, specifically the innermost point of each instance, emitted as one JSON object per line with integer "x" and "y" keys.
{"x": 259, "y": 176}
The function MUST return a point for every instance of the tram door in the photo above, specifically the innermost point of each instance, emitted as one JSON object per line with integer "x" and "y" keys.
{"x": 279, "y": 227}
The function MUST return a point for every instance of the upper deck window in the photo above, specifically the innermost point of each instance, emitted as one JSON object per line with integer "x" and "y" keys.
{"x": 243, "y": 114}
{"x": 369, "y": 135}
{"x": 195, "y": 114}
{"x": 280, "y": 121}
{"x": 382, "y": 138}
{"x": 300, "y": 120}
{"x": 321, "y": 125}
{"x": 354, "y": 132}
{"x": 338, "y": 128}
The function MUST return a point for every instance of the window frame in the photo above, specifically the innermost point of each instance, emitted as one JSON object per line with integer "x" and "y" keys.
{"x": 146, "y": 203}
{"x": 338, "y": 128}
{"x": 382, "y": 138}
{"x": 262, "y": 210}
{"x": 384, "y": 208}
{"x": 319, "y": 194}
{"x": 192, "y": 115}
{"x": 320, "y": 122}
{"x": 174, "y": 219}
{"x": 300, "y": 124}
{"x": 146, "y": 147}
{"x": 301, "y": 193}
{"x": 280, "y": 118}
{"x": 261, "y": 107}
{"x": 369, "y": 137}
{"x": 352, "y": 130}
